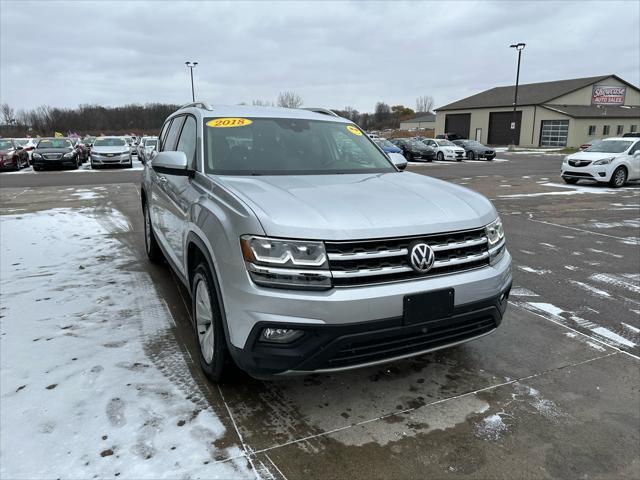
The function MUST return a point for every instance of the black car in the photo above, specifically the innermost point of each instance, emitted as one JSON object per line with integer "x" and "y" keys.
{"x": 474, "y": 149}
{"x": 414, "y": 150}
{"x": 631, "y": 134}
{"x": 12, "y": 155}
{"x": 54, "y": 152}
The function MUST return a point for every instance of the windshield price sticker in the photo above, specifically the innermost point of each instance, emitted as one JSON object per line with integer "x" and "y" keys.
{"x": 354, "y": 130}
{"x": 229, "y": 122}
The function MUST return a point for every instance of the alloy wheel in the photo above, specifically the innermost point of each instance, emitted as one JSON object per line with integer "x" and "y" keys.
{"x": 204, "y": 320}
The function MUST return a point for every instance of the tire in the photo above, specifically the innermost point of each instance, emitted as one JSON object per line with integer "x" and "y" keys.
{"x": 207, "y": 324}
{"x": 130, "y": 165}
{"x": 619, "y": 177}
{"x": 440, "y": 157}
{"x": 77, "y": 165}
{"x": 570, "y": 181}
{"x": 36, "y": 169}
{"x": 151, "y": 247}
{"x": 94, "y": 166}
{"x": 471, "y": 155}
{"x": 408, "y": 156}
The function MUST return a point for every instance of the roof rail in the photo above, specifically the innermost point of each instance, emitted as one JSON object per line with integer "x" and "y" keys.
{"x": 203, "y": 105}
{"x": 323, "y": 111}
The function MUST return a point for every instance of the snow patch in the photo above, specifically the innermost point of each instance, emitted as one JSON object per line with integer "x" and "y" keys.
{"x": 524, "y": 268}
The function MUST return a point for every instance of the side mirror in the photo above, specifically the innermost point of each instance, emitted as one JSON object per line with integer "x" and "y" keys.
{"x": 19, "y": 147}
{"x": 171, "y": 163}
{"x": 398, "y": 160}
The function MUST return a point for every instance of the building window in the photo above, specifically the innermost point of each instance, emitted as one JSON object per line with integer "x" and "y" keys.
{"x": 634, "y": 128}
{"x": 592, "y": 130}
{"x": 605, "y": 130}
{"x": 620, "y": 129}
{"x": 553, "y": 133}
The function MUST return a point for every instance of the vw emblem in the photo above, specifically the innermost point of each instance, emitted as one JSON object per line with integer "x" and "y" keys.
{"x": 421, "y": 257}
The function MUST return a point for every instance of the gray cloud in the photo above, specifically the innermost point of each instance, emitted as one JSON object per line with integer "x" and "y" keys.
{"x": 332, "y": 53}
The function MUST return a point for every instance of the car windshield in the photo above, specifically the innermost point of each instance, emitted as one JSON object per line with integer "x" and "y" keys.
{"x": 5, "y": 145}
{"x": 385, "y": 143}
{"x": 22, "y": 141}
{"x": 471, "y": 143}
{"x": 609, "y": 146}
{"x": 110, "y": 142}
{"x": 54, "y": 143}
{"x": 445, "y": 143}
{"x": 151, "y": 143}
{"x": 288, "y": 146}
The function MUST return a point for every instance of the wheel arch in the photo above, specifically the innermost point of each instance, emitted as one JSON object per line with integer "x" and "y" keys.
{"x": 197, "y": 250}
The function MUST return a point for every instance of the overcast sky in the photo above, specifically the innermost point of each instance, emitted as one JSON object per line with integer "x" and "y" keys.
{"x": 332, "y": 54}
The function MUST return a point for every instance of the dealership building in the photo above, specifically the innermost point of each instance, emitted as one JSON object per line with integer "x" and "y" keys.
{"x": 548, "y": 114}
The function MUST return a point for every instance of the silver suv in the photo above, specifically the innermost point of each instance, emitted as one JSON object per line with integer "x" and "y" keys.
{"x": 306, "y": 249}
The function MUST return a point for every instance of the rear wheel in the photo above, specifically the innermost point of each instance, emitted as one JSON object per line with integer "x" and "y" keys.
{"x": 154, "y": 254}
{"x": 619, "y": 177}
{"x": 570, "y": 181}
{"x": 207, "y": 320}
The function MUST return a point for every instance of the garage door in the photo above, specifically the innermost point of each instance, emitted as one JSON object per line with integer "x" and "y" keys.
{"x": 458, "y": 123}
{"x": 500, "y": 132}
{"x": 553, "y": 133}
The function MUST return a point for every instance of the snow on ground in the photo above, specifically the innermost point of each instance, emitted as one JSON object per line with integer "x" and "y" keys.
{"x": 84, "y": 168}
{"x": 92, "y": 382}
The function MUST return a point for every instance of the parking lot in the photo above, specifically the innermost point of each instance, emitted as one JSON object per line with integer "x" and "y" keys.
{"x": 100, "y": 378}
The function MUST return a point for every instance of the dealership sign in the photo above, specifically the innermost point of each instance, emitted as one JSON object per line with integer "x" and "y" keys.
{"x": 603, "y": 95}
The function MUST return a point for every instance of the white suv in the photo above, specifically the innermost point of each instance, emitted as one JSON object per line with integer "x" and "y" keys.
{"x": 612, "y": 160}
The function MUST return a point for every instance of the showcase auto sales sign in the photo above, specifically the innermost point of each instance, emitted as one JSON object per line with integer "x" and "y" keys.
{"x": 603, "y": 95}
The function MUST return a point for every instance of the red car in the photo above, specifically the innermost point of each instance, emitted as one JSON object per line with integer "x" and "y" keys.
{"x": 12, "y": 155}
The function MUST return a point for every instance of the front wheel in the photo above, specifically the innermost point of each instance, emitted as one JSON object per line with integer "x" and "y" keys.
{"x": 471, "y": 155}
{"x": 207, "y": 321}
{"x": 440, "y": 156}
{"x": 570, "y": 181}
{"x": 408, "y": 156}
{"x": 619, "y": 177}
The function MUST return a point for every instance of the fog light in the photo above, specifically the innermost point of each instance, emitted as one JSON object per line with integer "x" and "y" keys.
{"x": 280, "y": 335}
{"x": 602, "y": 174}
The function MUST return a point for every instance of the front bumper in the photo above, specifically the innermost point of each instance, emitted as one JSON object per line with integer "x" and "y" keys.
{"x": 600, "y": 173}
{"x": 62, "y": 162}
{"x": 115, "y": 160}
{"x": 358, "y": 320}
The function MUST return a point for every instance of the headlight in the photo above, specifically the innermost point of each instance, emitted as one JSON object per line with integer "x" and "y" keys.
{"x": 566, "y": 159}
{"x": 286, "y": 263}
{"x": 69, "y": 155}
{"x": 604, "y": 161}
{"x": 36, "y": 155}
{"x": 494, "y": 232}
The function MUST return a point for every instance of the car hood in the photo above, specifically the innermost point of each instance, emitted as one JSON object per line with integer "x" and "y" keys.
{"x": 120, "y": 149}
{"x": 345, "y": 207}
{"x": 592, "y": 155}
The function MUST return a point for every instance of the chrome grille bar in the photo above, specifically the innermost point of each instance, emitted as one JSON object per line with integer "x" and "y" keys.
{"x": 463, "y": 244}
{"x": 366, "y": 255}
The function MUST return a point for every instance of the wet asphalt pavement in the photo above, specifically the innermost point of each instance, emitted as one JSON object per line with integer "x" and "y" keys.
{"x": 553, "y": 393}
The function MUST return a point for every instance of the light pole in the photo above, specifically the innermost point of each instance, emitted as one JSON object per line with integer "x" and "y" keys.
{"x": 191, "y": 66}
{"x": 519, "y": 47}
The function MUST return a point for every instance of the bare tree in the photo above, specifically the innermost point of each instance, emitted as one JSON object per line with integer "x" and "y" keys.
{"x": 8, "y": 114}
{"x": 289, "y": 99}
{"x": 424, "y": 104}
{"x": 351, "y": 113}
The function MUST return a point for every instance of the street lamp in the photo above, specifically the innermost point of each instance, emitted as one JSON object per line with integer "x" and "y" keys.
{"x": 191, "y": 66}
{"x": 519, "y": 47}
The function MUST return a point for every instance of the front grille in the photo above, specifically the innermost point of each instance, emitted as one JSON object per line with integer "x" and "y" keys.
{"x": 52, "y": 156}
{"x": 410, "y": 341}
{"x": 578, "y": 174}
{"x": 375, "y": 261}
{"x": 579, "y": 163}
